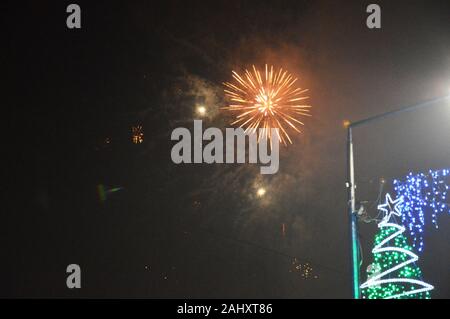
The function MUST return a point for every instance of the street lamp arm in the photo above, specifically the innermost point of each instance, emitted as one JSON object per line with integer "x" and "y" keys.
{"x": 400, "y": 110}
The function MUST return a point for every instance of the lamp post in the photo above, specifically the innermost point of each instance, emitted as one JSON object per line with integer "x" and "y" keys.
{"x": 351, "y": 185}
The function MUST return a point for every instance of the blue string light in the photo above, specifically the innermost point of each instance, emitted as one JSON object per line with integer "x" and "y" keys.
{"x": 424, "y": 195}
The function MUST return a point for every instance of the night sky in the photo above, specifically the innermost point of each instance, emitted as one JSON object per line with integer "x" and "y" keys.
{"x": 201, "y": 231}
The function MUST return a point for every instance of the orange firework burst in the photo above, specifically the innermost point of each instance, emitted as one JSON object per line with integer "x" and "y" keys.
{"x": 265, "y": 102}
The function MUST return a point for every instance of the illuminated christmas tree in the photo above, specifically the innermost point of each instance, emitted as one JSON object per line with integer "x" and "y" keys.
{"x": 393, "y": 273}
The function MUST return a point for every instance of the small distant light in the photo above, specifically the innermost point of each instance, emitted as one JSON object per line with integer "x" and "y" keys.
{"x": 346, "y": 123}
{"x": 201, "y": 110}
{"x": 261, "y": 192}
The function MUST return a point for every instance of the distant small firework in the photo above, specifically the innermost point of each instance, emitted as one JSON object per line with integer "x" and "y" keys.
{"x": 201, "y": 110}
{"x": 137, "y": 134}
{"x": 305, "y": 270}
{"x": 261, "y": 192}
{"x": 265, "y": 102}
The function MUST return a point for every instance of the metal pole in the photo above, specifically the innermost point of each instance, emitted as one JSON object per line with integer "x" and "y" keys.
{"x": 352, "y": 215}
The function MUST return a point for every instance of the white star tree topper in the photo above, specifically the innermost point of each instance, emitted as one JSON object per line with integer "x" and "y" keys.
{"x": 391, "y": 207}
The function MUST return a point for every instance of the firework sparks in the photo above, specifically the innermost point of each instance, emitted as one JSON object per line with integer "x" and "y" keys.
{"x": 137, "y": 134}
{"x": 304, "y": 270}
{"x": 267, "y": 101}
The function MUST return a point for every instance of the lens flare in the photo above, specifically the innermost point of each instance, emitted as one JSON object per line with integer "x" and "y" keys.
{"x": 267, "y": 101}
